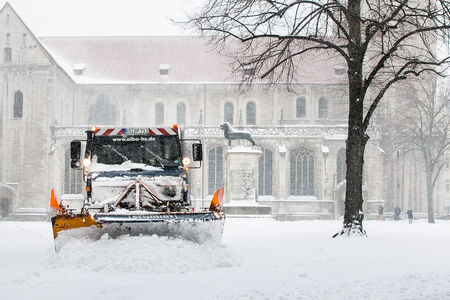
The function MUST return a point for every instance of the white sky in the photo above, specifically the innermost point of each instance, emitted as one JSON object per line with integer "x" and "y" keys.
{"x": 103, "y": 17}
{"x": 107, "y": 17}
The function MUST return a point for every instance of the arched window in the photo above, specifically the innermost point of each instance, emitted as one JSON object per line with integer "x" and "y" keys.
{"x": 302, "y": 172}
{"x": 265, "y": 172}
{"x": 251, "y": 113}
{"x": 18, "y": 105}
{"x": 181, "y": 113}
{"x": 323, "y": 108}
{"x": 159, "y": 114}
{"x": 228, "y": 112}
{"x": 341, "y": 166}
{"x": 102, "y": 112}
{"x": 7, "y": 55}
{"x": 215, "y": 169}
{"x": 301, "y": 107}
{"x": 72, "y": 178}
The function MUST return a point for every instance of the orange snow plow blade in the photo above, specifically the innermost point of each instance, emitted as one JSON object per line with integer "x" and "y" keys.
{"x": 134, "y": 224}
{"x": 194, "y": 225}
{"x": 64, "y": 222}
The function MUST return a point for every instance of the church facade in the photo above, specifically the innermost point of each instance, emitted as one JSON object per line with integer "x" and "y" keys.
{"x": 53, "y": 89}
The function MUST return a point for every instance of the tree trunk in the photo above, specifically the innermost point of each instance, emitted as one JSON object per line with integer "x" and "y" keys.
{"x": 356, "y": 144}
{"x": 356, "y": 137}
{"x": 355, "y": 160}
{"x": 430, "y": 196}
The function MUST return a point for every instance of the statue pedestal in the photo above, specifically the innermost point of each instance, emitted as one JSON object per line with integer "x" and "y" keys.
{"x": 242, "y": 174}
{"x": 241, "y": 188}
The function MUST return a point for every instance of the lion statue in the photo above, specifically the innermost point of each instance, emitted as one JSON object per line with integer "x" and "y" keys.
{"x": 231, "y": 134}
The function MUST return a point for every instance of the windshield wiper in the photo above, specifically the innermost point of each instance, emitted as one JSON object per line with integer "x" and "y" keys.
{"x": 118, "y": 153}
{"x": 159, "y": 159}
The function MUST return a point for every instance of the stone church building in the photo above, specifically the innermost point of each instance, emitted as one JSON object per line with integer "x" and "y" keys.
{"x": 52, "y": 89}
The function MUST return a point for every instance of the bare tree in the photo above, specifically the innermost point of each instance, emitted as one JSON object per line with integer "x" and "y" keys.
{"x": 381, "y": 42}
{"x": 423, "y": 125}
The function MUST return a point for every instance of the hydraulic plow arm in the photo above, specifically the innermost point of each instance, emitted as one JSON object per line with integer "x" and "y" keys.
{"x": 137, "y": 187}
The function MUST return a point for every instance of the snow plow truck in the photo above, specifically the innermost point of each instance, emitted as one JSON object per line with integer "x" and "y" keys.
{"x": 136, "y": 181}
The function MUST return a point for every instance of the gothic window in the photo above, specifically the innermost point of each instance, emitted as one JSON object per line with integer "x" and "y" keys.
{"x": 215, "y": 169}
{"x": 181, "y": 113}
{"x": 323, "y": 108}
{"x": 7, "y": 55}
{"x": 265, "y": 172}
{"x": 102, "y": 112}
{"x": 18, "y": 105}
{"x": 228, "y": 112}
{"x": 72, "y": 178}
{"x": 301, "y": 107}
{"x": 159, "y": 114}
{"x": 302, "y": 172}
{"x": 251, "y": 113}
{"x": 341, "y": 166}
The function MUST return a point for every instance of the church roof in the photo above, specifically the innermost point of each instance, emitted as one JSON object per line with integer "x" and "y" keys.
{"x": 161, "y": 59}
{"x": 165, "y": 59}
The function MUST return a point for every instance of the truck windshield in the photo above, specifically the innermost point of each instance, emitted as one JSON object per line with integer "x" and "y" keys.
{"x": 158, "y": 151}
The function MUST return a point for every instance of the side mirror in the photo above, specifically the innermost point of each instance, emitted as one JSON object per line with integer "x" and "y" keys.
{"x": 197, "y": 152}
{"x": 75, "y": 153}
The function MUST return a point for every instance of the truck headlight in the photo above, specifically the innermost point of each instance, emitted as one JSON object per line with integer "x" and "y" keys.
{"x": 186, "y": 162}
{"x": 86, "y": 163}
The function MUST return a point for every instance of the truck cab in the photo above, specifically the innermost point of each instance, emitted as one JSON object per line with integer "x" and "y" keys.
{"x": 136, "y": 181}
{"x": 135, "y": 169}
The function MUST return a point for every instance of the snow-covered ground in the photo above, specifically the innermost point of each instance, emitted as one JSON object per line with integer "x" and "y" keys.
{"x": 258, "y": 259}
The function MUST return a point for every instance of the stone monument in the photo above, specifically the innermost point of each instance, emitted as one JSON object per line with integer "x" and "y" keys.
{"x": 241, "y": 180}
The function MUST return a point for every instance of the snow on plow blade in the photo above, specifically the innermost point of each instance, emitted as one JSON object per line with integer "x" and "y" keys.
{"x": 194, "y": 226}
{"x": 198, "y": 226}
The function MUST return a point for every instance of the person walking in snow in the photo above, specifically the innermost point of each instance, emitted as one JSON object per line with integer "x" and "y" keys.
{"x": 410, "y": 215}
{"x": 380, "y": 212}
{"x": 397, "y": 212}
